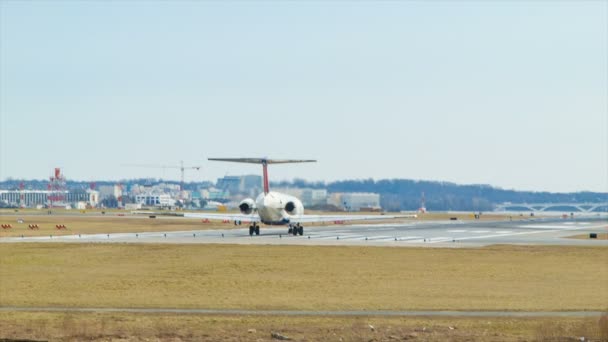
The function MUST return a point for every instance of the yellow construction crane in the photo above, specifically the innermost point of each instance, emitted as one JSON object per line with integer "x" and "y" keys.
{"x": 181, "y": 167}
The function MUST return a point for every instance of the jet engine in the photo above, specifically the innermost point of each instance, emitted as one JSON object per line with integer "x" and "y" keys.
{"x": 247, "y": 206}
{"x": 290, "y": 207}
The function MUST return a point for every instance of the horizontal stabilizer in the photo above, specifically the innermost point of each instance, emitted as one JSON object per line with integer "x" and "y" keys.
{"x": 263, "y": 160}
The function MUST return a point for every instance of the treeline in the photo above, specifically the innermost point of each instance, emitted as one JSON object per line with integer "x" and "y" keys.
{"x": 405, "y": 194}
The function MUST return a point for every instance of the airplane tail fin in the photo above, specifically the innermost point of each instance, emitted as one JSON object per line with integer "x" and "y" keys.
{"x": 264, "y": 162}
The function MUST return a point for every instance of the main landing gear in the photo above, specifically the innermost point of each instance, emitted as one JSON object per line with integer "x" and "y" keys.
{"x": 296, "y": 229}
{"x": 254, "y": 228}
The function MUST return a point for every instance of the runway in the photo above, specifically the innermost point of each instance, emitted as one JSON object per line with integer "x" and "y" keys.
{"x": 552, "y": 231}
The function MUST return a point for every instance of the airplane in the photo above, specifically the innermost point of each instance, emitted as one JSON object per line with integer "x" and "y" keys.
{"x": 274, "y": 208}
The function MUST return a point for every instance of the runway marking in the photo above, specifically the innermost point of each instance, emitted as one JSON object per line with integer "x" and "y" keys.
{"x": 509, "y": 234}
{"x": 457, "y": 231}
{"x": 382, "y": 225}
{"x": 342, "y": 231}
{"x": 439, "y": 239}
{"x": 351, "y": 237}
{"x": 533, "y": 226}
{"x": 503, "y": 231}
{"x": 335, "y": 237}
{"x": 405, "y": 238}
{"x": 361, "y": 238}
{"x": 380, "y": 238}
{"x": 385, "y": 230}
{"x": 480, "y": 231}
{"x": 430, "y": 240}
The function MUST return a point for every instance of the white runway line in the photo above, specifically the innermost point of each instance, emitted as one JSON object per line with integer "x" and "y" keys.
{"x": 439, "y": 239}
{"x": 352, "y": 237}
{"x": 509, "y": 234}
{"x": 380, "y": 238}
{"x": 480, "y": 231}
{"x": 435, "y": 239}
{"x": 533, "y": 226}
{"x": 406, "y": 238}
{"x": 359, "y": 238}
{"x": 341, "y": 231}
{"x": 392, "y": 238}
{"x": 457, "y": 231}
{"x": 332, "y": 237}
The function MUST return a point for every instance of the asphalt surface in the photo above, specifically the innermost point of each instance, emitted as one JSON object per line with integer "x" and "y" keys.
{"x": 552, "y": 231}
{"x": 381, "y": 313}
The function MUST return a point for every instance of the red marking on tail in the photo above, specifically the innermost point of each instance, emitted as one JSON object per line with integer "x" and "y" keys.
{"x": 265, "y": 168}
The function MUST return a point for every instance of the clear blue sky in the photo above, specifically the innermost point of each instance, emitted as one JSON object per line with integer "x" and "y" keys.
{"x": 512, "y": 94}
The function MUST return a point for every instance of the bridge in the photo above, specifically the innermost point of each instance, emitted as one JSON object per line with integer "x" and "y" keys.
{"x": 581, "y": 207}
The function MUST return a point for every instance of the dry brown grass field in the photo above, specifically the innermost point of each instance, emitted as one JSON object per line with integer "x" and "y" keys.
{"x": 304, "y": 277}
{"x": 160, "y": 327}
{"x": 94, "y": 223}
{"x": 86, "y": 224}
{"x": 532, "y": 278}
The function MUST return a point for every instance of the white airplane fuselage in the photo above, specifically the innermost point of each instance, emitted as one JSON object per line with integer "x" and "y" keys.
{"x": 277, "y": 208}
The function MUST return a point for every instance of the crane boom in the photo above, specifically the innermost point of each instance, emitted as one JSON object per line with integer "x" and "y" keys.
{"x": 181, "y": 167}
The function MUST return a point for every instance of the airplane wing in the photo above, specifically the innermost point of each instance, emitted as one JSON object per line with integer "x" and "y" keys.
{"x": 254, "y": 217}
{"x": 334, "y": 218}
{"x": 232, "y": 217}
{"x": 211, "y": 216}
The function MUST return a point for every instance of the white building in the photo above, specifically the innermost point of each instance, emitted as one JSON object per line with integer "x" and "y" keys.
{"x": 107, "y": 191}
{"x": 295, "y": 192}
{"x": 354, "y": 201}
{"x": 24, "y": 198}
{"x": 213, "y": 194}
{"x": 312, "y": 197}
{"x": 155, "y": 200}
{"x": 32, "y": 198}
{"x": 93, "y": 197}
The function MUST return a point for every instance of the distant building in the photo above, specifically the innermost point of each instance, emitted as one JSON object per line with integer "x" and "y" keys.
{"x": 214, "y": 194}
{"x": 93, "y": 197}
{"x": 295, "y": 192}
{"x": 229, "y": 183}
{"x": 354, "y": 201}
{"x": 155, "y": 200}
{"x": 136, "y": 189}
{"x": 250, "y": 185}
{"x": 335, "y": 199}
{"x": 32, "y": 198}
{"x": 24, "y": 198}
{"x": 108, "y": 191}
{"x": 312, "y": 197}
{"x": 309, "y": 197}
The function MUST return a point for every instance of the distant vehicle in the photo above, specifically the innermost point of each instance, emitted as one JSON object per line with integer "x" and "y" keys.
{"x": 274, "y": 208}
